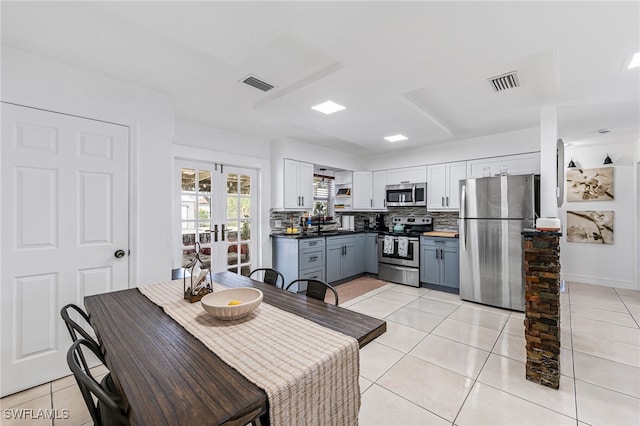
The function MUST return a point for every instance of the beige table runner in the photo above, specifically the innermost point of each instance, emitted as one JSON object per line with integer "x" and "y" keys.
{"x": 309, "y": 372}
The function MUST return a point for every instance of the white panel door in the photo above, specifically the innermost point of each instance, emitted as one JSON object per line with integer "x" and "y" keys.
{"x": 64, "y": 215}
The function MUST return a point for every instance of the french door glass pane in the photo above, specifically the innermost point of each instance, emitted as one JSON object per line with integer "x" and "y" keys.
{"x": 204, "y": 182}
{"x": 245, "y": 207}
{"x": 232, "y": 207}
{"x": 232, "y": 226}
{"x": 232, "y": 184}
{"x": 188, "y": 207}
{"x": 245, "y": 230}
{"x": 245, "y": 185}
{"x": 204, "y": 208}
{"x": 188, "y": 180}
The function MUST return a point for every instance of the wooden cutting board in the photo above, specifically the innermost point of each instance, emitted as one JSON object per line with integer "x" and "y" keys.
{"x": 441, "y": 234}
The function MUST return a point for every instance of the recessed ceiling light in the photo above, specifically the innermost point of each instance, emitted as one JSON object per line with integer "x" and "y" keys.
{"x": 635, "y": 61}
{"x": 396, "y": 138}
{"x": 328, "y": 107}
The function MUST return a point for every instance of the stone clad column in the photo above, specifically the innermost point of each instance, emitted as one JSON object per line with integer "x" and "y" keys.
{"x": 542, "y": 306}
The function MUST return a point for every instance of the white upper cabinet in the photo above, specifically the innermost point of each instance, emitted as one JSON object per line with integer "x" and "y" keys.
{"x": 362, "y": 191}
{"x": 416, "y": 174}
{"x": 298, "y": 185}
{"x": 378, "y": 190}
{"x": 442, "y": 185}
{"x": 520, "y": 164}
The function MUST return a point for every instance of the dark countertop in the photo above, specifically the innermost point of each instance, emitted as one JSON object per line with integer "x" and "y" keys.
{"x": 320, "y": 234}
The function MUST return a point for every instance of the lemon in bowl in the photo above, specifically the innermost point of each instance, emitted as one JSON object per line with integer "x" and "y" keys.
{"x": 232, "y": 303}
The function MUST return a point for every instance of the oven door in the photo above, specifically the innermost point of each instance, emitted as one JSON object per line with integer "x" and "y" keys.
{"x": 411, "y": 259}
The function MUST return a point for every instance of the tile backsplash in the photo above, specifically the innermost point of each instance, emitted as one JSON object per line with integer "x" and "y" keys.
{"x": 441, "y": 220}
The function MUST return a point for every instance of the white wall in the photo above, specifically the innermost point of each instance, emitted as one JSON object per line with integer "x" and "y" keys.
{"x": 612, "y": 265}
{"x": 219, "y": 140}
{"x": 36, "y": 81}
{"x": 195, "y": 141}
{"x": 516, "y": 142}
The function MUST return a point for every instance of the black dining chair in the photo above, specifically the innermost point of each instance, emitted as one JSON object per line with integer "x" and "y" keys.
{"x": 316, "y": 289}
{"x": 110, "y": 409}
{"x": 269, "y": 276}
{"x": 74, "y": 330}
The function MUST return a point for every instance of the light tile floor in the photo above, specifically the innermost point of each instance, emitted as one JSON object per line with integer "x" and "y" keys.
{"x": 443, "y": 361}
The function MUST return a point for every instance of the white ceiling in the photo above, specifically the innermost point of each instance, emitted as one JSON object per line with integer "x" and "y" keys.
{"x": 416, "y": 68}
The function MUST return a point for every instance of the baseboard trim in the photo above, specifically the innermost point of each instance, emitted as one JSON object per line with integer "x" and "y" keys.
{"x": 603, "y": 281}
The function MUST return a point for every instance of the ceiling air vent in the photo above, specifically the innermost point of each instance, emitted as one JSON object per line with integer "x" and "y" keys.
{"x": 254, "y": 81}
{"x": 505, "y": 81}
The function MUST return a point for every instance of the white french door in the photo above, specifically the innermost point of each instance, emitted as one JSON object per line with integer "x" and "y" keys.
{"x": 218, "y": 209}
{"x": 64, "y": 230}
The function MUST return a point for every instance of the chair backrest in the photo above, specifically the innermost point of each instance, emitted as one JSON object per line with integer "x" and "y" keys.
{"x": 316, "y": 289}
{"x": 270, "y": 276}
{"x": 110, "y": 408}
{"x": 75, "y": 329}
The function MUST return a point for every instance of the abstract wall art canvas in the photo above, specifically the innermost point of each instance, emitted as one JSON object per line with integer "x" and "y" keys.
{"x": 590, "y": 184}
{"x": 590, "y": 226}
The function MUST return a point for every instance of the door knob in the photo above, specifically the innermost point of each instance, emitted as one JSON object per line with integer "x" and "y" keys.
{"x": 119, "y": 254}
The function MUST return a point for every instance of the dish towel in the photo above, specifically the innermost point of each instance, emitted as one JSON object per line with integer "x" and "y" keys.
{"x": 403, "y": 246}
{"x": 388, "y": 247}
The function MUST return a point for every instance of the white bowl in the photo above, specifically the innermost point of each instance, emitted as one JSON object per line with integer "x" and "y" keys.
{"x": 217, "y": 303}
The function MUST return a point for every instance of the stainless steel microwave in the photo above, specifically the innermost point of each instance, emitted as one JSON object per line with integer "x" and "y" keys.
{"x": 406, "y": 194}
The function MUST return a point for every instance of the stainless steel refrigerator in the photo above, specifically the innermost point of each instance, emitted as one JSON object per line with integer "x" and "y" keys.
{"x": 493, "y": 213}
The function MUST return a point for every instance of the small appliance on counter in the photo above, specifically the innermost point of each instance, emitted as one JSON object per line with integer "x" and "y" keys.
{"x": 379, "y": 224}
{"x": 399, "y": 250}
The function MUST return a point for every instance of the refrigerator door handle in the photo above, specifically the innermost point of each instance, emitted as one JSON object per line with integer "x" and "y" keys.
{"x": 463, "y": 224}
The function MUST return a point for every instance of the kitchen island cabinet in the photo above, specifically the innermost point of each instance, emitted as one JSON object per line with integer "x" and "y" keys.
{"x": 439, "y": 263}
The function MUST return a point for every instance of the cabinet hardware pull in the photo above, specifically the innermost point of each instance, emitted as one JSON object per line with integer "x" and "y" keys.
{"x": 222, "y": 231}
{"x": 437, "y": 254}
{"x": 371, "y": 202}
{"x": 302, "y": 200}
{"x": 215, "y": 233}
{"x": 442, "y": 202}
{"x": 313, "y": 258}
{"x": 442, "y": 254}
{"x": 447, "y": 201}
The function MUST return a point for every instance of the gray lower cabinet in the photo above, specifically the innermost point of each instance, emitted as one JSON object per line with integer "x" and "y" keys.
{"x": 341, "y": 258}
{"x": 360, "y": 253}
{"x": 371, "y": 253}
{"x": 299, "y": 258}
{"x": 439, "y": 262}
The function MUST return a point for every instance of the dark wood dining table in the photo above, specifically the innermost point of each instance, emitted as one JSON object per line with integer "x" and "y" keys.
{"x": 169, "y": 377}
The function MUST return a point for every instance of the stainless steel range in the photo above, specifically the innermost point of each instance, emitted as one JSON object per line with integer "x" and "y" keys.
{"x": 399, "y": 251}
